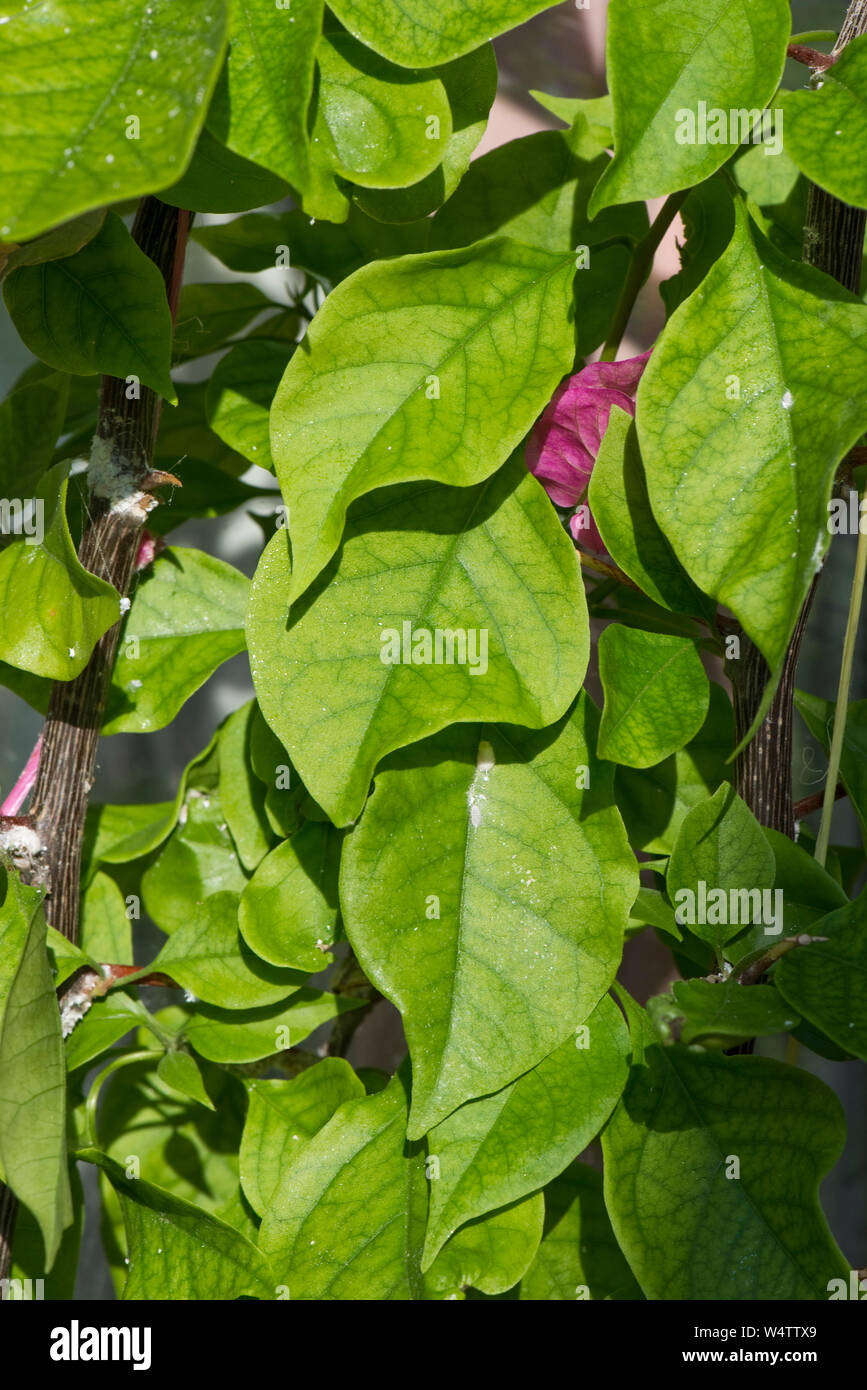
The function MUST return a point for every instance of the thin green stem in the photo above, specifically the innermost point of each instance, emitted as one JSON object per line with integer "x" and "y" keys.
{"x": 842, "y": 697}
{"x": 140, "y": 1055}
{"x": 639, "y": 270}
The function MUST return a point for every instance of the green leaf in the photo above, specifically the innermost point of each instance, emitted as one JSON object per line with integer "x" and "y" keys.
{"x": 470, "y": 85}
{"x": 248, "y": 1035}
{"x": 210, "y": 314}
{"x": 809, "y": 891}
{"x": 102, "y": 310}
{"x": 340, "y": 686}
{"x": 483, "y": 946}
{"x": 208, "y": 957}
{"x": 651, "y": 907}
{"x": 412, "y": 33}
{"x": 288, "y": 911}
{"x": 346, "y": 1220}
{"x": 199, "y": 860}
{"x": 491, "y": 1253}
{"x": 720, "y": 1015}
{"x": 534, "y": 190}
{"x": 282, "y": 1119}
{"x": 182, "y": 1147}
{"x": 73, "y": 77}
{"x": 708, "y": 222}
{"x": 547, "y": 1116}
{"x": 378, "y": 125}
{"x": 260, "y": 106}
{"x": 720, "y": 844}
{"x": 819, "y": 717}
{"x": 621, "y": 509}
{"x": 241, "y": 795}
{"x": 654, "y": 802}
{"x": 777, "y": 196}
{"x": 240, "y": 392}
{"x": 579, "y": 1257}
{"x": 730, "y": 57}
{"x": 690, "y": 1228}
{"x": 823, "y": 127}
{"x": 181, "y": 1071}
{"x": 105, "y": 1023}
{"x": 105, "y": 929}
{"x": 28, "y": 1249}
{"x": 285, "y": 793}
{"x": 117, "y": 834}
{"x": 332, "y": 252}
{"x": 827, "y": 981}
{"x": 741, "y": 429}
{"x": 443, "y": 361}
{"x": 656, "y": 695}
{"x": 64, "y": 957}
{"x": 31, "y": 418}
{"x": 219, "y": 181}
{"x": 591, "y": 120}
{"x": 32, "y": 1069}
{"x": 186, "y": 619}
{"x": 178, "y": 1247}
{"x": 52, "y": 245}
{"x": 54, "y": 610}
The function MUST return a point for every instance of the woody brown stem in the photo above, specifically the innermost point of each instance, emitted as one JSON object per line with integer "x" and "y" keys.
{"x": 833, "y": 243}
{"x": 124, "y": 445}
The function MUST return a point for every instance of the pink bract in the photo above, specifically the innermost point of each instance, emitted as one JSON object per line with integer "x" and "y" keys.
{"x": 566, "y": 439}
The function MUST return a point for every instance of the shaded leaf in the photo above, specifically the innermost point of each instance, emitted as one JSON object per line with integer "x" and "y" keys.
{"x": 490, "y": 1253}
{"x": 32, "y": 1069}
{"x": 103, "y": 309}
{"x": 248, "y": 1035}
{"x": 260, "y": 106}
{"x": 175, "y": 1245}
{"x": 720, "y": 845}
{"x": 656, "y": 695}
{"x": 579, "y": 1257}
{"x": 670, "y": 1184}
{"x": 827, "y": 981}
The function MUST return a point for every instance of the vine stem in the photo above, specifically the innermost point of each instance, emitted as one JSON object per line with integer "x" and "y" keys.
{"x": 833, "y": 243}
{"x": 141, "y": 1055}
{"x": 840, "y": 713}
{"x": 124, "y": 446}
{"x": 639, "y": 270}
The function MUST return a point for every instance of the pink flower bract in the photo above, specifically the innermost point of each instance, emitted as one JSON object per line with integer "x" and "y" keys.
{"x": 565, "y": 441}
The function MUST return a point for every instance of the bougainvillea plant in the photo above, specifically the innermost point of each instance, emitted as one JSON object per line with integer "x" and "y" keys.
{"x": 474, "y": 487}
